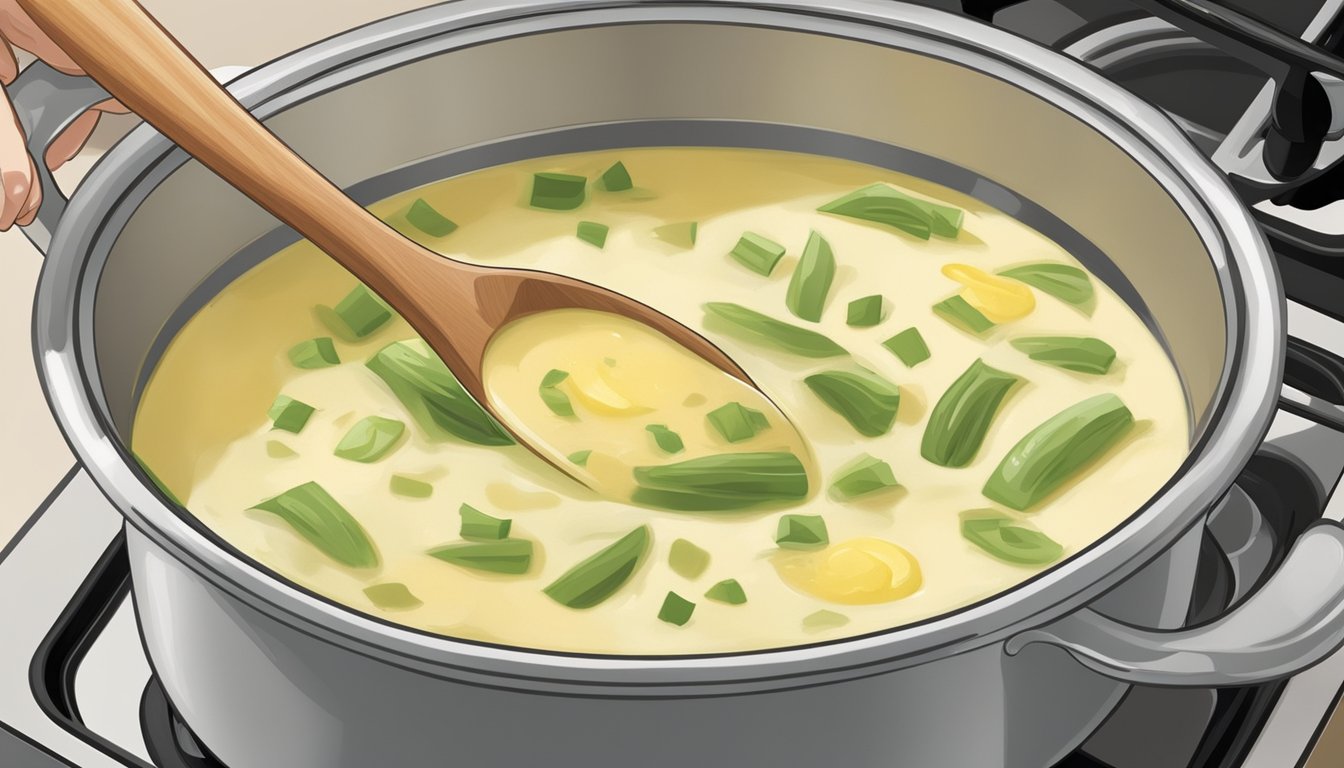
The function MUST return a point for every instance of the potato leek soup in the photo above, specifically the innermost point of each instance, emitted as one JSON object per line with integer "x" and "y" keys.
{"x": 949, "y": 404}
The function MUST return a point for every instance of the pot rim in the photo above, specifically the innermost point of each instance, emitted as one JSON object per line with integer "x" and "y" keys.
{"x": 1240, "y": 415}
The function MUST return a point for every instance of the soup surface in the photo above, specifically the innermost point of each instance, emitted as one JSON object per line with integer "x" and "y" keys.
{"x": 960, "y": 405}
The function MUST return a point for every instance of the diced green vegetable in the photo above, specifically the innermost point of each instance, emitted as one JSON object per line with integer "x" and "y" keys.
{"x": 681, "y": 234}
{"x": 478, "y": 525}
{"x": 959, "y": 422}
{"x": 885, "y": 205}
{"x": 1072, "y": 353}
{"x": 908, "y": 346}
{"x": 401, "y": 485}
{"x": 317, "y": 517}
{"x": 393, "y": 596}
{"x": 736, "y": 422}
{"x": 580, "y": 457}
{"x": 757, "y": 253}
{"x": 824, "y": 619}
{"x": 865, "y": 312}
{"x": 362, "y": 311}
{"x": 1007, "y": 539}
{"x": 666, "y": 439}
{"x": 617, "y": 178}
{"x": 278, "y": 450}
{"x": 864, "y": 475}
{"x": 802, "y": 532}
{"x": 763, "y": 328}
{"x": 554, "y": 377}
{"x": 1063, "y": 281}
{"x": 676, "y": 609}
{"x": 558, "y": 191}
{"x": 722, "y": 481}
{"x": 867, "y": 401}
{"x": 370, "y": 439}
{"x": 811, "y": 280}
{"x": 1057, "y": 450}
{"x": 431, "y": 394}
{"x": 314, "y": 353}
{"x": 727, "y": 591}
{"x": 289, "y": 414}
{"x": 425, "y": 218}
{"x": 593, "y": 233}
{"x": 598, "y": 577}
{"x": 687, "y": 560}
{"x": 551, "y": 395}
{"x": 958, "y": 312}
{"x": 512, "y": 556}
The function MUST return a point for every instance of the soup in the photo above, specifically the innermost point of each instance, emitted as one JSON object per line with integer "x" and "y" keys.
{"x": 954, "y": 405}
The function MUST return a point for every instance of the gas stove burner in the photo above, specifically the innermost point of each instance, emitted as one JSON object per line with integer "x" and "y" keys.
{"x": 170, "y": 742}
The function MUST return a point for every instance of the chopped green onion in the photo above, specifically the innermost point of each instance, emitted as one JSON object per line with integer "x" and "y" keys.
{"x": 757, "y": 253}
{"x": 736, "y": 422}
{"x": 289, "y": 414}
{"x": 554, "y": 399}
{"x": 867, "y": 401}
{"x": 1072, "y": 353}
{"x": 401, "y": 485}
{"x": 885, "y": 205}
{"x": 1007, "y": 539}
{"x": 863, "y": 476}
{"x": 959, "y": 422}
{"x": 580, "y": 457}
{"x": 558, "y": 191}
{"x": 362, "y": 311}
{"x": 393, "y": 596}
{"x": 593, "y": 233}
{"x": 598, "y": 577}
{"x": 824, "y": 619}
{"x": 423, "y": 217}
{"x": 763, "y": 328}
{"x": 314, "y": 353}
{"x": 554, "y": 377}
{"x": 960, "y": 313}
{"x": 908, "y": 346}
{"x": 617, "y": 178}
{"x": 865, "y": 312}
{"x": 1063, "y": 281}
{"x": 727, "y": 591}
{"x": 722, "y": 481}
{"x": 512, "y": 556}
{"x": 317, "y": 517}
{"x": 478, "y": 525}
{"x": 1056, "y": 450}
{"x": 370, "y": 439}
{"x": 676, "y": 609}
{"x": 667, "y": 440}
{"x": 431, "y": 394}
{"x": 802, "y": 532}
{"x": 682, "y": 234}
{"x": 687, "y": 560}
{"x": 811, "y": 280}
{"x": 278, "y": 450}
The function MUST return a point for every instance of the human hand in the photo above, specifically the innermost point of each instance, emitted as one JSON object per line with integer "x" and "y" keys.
{"x": 21, "y": 196}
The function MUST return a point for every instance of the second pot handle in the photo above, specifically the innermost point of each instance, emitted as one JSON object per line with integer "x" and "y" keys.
{"x": 1293, "y": 621}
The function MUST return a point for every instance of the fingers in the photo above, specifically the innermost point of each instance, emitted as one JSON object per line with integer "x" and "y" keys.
{"x": 19, "y": 196}
{"x": 9, "y": 66}
{"x": 20, "y": 30}
{"x": 72, "y": 139}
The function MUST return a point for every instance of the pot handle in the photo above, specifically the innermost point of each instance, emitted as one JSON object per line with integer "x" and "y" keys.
{"x": 47, "y": 101}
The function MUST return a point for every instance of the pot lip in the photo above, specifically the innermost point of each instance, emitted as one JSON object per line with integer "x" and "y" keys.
{"x": 1244, "y": 403}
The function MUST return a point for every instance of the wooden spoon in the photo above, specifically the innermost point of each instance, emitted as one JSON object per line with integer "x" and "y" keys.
{"x": 457, "y": 307}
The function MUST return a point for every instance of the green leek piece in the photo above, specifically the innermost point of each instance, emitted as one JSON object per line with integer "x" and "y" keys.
{"x": 362, "y": 311}
{"x": 681, "y": 234}
{"x": 580, "y": 457}
{"x": 676, "y": 609}
{"x": 802, "y": 532}
{"x": 908, "y": 346}
{"x": 435, "y": 399}
{"x": 401, "y": 485}
{"x": 1007, "y": 539}
{"x": 865, "y": 312}
{"x": 593, "y": 233}
{"x": 370, "y": 439}
{"x": 551, "y": 395}
{"x": 1057, "y": 450}
{"x": 317, "y": 517}
{"x": 478, "y": 525}
{"x": 1072, "y": 353}
{"x": 885, "y": 205}
{"x": 617, "y": 178}
{"x": 823, "y": 620}
{"x": 960, "y": 313}
{"x": 314, "y": 353}
{"x": 392, "y": 596}
{"x": 867, "y": 401}
{"x": 687, "y": 560}
{"x": 736, "y": 422}
{"x": 722, "y": 482}
{"x": 423, "y": 217}
{"x": 1063, "y": 281}
{"x": 757, "y": 253}
{"x": 763, "y": 328}
{"x": 811, "y": 280}
{"x": 511, "y": 556}
{"x": 558, "y": 191}
{"x": 289, "y": 414}
{"x": 278, "y": 450}
{"x": 598, "y": 577}
{"x": 863, "y": 476}
{"x": 666, "y": 439}
{"x": 727, "y": 591}
{"x": 959, "y": 422}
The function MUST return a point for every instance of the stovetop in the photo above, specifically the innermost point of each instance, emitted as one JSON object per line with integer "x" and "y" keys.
{"x": 76, "y": 688}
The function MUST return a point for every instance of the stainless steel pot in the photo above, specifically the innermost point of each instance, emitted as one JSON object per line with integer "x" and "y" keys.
{"x": 268, "y": 674}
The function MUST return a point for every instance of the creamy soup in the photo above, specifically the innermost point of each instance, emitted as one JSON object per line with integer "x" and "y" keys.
{"x": 954, "y": 405}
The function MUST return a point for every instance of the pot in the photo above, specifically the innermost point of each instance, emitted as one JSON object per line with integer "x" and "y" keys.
{"x": 268, "y": 674}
